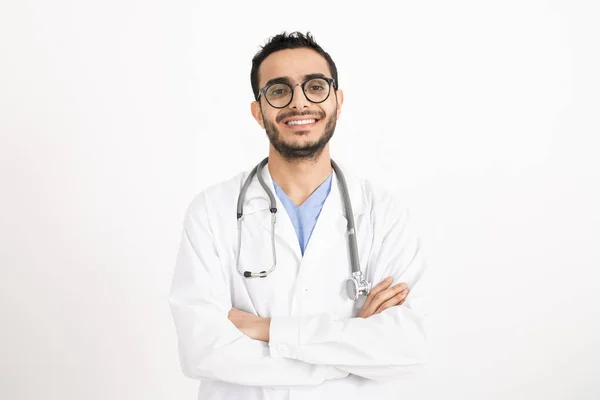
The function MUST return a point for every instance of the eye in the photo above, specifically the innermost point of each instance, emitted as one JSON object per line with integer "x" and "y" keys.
{"x": 317, "y": 86}
{"x": 278, "y": 90}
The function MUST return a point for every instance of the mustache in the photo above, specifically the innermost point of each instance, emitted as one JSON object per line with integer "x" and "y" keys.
{"x": 317, "y": 115}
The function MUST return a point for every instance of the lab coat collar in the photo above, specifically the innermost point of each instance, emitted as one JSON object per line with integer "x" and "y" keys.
{"x": 331, "y": 223}
{"x": 256, "y": 198}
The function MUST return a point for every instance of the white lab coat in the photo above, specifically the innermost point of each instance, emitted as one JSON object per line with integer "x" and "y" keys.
{"x": 319, "y": 348}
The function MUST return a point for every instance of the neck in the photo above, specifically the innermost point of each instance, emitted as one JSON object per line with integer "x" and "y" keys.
{"x": 299, "y": 179}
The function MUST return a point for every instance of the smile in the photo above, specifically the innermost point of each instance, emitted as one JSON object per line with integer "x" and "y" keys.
{"x": 301, "y": 122}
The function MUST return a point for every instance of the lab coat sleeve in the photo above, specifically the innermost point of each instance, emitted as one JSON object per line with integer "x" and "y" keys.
{"x": 210, "y": 346}
{"x": 382, "y": 346}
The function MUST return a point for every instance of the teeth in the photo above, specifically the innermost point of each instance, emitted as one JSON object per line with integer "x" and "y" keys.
{"x": 301, "y": 122}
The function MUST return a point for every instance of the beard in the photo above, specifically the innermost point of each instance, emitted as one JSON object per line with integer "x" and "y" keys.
{"x": 300, "y": 152}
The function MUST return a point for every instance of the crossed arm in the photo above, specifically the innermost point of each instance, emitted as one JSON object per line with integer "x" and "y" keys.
{"x": 286, "y": 351}
{"x": 380, "y": 298}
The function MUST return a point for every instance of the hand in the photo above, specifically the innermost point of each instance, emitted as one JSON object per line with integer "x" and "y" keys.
{"x": 382, "y": 297}
{"x": 250, "y": 325}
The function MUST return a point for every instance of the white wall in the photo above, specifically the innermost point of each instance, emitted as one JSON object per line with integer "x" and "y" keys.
{"x": 114, "y": 114}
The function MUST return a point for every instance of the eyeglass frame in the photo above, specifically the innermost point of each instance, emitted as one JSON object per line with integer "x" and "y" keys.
{"x": 330, "y": 81}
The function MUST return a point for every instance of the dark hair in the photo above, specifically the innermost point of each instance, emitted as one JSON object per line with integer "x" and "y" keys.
{"x": 294, "y": 40}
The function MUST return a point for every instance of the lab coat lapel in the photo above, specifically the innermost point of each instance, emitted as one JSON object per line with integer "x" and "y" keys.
{"x": 257, "y": 200}
{"x": 332, "y": 225}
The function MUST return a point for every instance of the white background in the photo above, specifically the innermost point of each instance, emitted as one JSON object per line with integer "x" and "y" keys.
{"x": 484, "y": 116}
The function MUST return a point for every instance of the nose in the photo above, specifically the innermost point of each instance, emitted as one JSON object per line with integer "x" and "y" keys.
{"x": 299, "y": 100}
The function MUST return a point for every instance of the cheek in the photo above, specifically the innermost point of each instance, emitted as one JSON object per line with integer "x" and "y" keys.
{"x": 270, "y": 117}
{"x": 333, "y": 112}
{"x": 266, "y": 118}
{"x": 332, "y": 108}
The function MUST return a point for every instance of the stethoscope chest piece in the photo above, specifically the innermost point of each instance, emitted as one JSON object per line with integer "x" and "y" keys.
{"x": 356, "y": 286}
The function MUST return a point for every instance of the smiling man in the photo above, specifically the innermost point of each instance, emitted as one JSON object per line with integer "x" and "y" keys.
{"x": 278, "y": 303}
{"x": 300, "y": 132}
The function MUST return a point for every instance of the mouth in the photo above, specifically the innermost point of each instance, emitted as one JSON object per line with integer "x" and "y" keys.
{"x": 301, "y": 123}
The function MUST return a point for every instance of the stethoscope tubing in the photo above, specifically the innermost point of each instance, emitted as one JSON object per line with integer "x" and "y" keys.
{"x": 351, "y": 231}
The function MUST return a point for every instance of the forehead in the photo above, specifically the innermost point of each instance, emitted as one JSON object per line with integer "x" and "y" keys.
{"x": 293, "y": 63}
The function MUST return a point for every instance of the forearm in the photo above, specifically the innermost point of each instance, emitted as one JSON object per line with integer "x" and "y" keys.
{"x": 382, "y": 345}
{"x": 215, "y": 349}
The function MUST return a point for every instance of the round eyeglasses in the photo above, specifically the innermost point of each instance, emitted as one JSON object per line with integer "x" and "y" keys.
{"x": 280, "y": 95}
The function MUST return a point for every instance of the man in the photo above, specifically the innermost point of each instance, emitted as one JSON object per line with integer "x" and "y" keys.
{"x": 295, "y": 334}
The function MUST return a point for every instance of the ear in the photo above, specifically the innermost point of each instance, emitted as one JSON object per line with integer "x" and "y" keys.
{"x": 257, "y": 113}
{"x": 340, "y": 99}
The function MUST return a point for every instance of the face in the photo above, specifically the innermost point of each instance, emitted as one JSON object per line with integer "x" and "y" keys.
{"x": 292, "y": 140}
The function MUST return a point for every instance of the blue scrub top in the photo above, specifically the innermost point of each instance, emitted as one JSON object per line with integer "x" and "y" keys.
{"x": 304, "y": 217}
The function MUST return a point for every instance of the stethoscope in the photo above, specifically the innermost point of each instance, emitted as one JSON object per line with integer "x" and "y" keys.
{"x": 355, "y": 286}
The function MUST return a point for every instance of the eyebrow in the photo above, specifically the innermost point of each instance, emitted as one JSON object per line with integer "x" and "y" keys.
{"x": 286, "y": 79}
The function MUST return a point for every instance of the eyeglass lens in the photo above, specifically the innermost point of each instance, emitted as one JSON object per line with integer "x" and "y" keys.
{"x": 280, "y": 94}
